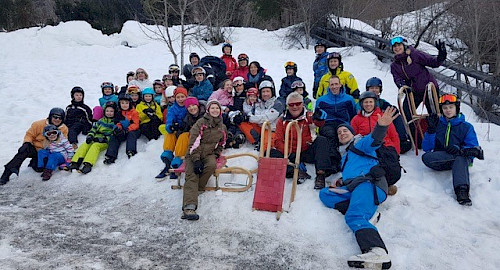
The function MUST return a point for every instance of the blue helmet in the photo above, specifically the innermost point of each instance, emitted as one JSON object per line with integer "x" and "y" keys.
{"x": 374, "y": 81}
{"x": 148, "y": 91}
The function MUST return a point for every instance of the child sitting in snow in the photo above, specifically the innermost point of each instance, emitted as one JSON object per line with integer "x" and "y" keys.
{"x": 167, "y": 101}
{"x": 108, "y": 95}
{"x": 135, "y": 95}
{"x": 172, "y": 140}
{"x": 149, "y": 114}
{"x": 96, "y": 142}
{"x": 159, "y": 88}
{"x": 203, "y": 88}
{"x": 206, "y": 141}
{"x": 57, "y": 150}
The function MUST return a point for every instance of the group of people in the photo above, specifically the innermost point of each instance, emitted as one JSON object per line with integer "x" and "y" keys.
{"x": 349, "y": 131}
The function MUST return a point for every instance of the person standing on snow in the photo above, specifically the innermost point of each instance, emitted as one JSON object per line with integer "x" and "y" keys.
{"x": 362, "y": 188}
{"x": 33, "y": 142}
{"x": 320, "y": 65}
{"x": 242, "y": 70}
{"x": 409, "y": 69}
{"x": 228, "y": 59}
{"x": 286, "y": 82}
{"x": 451, "y": 143}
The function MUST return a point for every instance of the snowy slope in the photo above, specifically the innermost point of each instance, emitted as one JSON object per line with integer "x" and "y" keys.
{"x": 119, "y": 217}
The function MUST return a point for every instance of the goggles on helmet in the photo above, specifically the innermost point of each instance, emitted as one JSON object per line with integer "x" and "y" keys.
{"x": 396, "y": 40}
{"x": 448, "y": 98}
{"x": 290, "y": 64}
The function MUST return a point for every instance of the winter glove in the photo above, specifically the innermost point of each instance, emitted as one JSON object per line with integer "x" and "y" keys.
{"x": 118, "y": 132}
{"x": 101, "y": 140}
{"x": 476, "y": 151}
{"x": 442, "y": 51}
{"x": 355, "y": 94}
{"x": 432, "y": 122}
{"x": 452, "y": 149}
{"x": 89, "y": 139}
{"x": 174, "y": 127}
{"x": 319, "y": 115}
{"x": 240, "y": 118}
{"x": 125, "y": 124}
{"x": 149, "y": 112}
{"x": 198, "y": 167}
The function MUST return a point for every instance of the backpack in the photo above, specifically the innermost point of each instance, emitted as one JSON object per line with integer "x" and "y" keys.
{"x": 215, "y": 68}
{"x": 388, "y": 160}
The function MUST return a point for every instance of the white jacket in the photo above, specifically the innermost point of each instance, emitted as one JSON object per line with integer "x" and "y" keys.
{"x": 269, "y": 110}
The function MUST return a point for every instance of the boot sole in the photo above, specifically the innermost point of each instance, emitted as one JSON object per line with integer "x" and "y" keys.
{"x": 370, "y": 265}
{"x": 190, "y": 217}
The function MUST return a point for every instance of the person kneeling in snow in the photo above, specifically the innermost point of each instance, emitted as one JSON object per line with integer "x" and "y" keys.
{"x": 364, "y": 187}
{"x": 206, "y": 141}
{"x": 451, "y": 143}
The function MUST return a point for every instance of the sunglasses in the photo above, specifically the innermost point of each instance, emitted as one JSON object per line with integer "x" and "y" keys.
{"x": 448, "y": 98}
{"x": 174, "y": 71}
{"x": 295, "y": 104}
{"x": 50, "y": 133}
{"x": 57, "y": 117}
{"x": 396, "y": 40}
{"x": 141, "y": 72}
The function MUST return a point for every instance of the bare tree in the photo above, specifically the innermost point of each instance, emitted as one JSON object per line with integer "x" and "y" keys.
{"x": 216, "y": 15}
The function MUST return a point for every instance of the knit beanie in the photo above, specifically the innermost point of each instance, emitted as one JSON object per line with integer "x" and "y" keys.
{"x": 180, "y": 90}
{"x": 191, "y": 101}
{"x": 348, "y": 126}
{"x": 214, "y": 101}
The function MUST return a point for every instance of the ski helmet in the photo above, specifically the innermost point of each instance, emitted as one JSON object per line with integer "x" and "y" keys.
{"x": 77, "y": 89}
{"x": 148, "y": 91}
{"x": 125, "y": 97}
{"x": 169, "y": 92}
{"x": 194, "y": 55}
{"x": 399, "y": 40}
{"x": 56, "y": 112}
{"x": 111, "y": 104}
{"x": 366, "y": 95}
{"x": 133, "y": 89}
{"x": 107, "y": 85}
{"x": 49, "y": 129}
{"x": 320, "y": 43}
{"x": 253, "y": 91}
{"x": 449, "y": 99}
{"x": 197, "y": 70}
{"x": 267, "y": 84}
{"x": 173, "y": 68}
{"x": 291, "y": 65}
{"x": 227, "y": 45}
{"x": 335, "y": 55}
{"x": 374, "y": 81}
{"x": 242, "y": 57}
{"x": 158, "y": 82}
{"x": 130, "y": 74}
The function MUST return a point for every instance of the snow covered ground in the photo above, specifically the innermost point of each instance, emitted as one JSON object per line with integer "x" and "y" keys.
{"x": 119, "y": 217}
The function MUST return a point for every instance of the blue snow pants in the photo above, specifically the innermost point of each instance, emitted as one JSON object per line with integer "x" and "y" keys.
{"x": 53, "y": 159}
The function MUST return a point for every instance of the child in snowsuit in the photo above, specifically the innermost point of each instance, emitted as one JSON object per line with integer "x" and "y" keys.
{"x": 362, "y": 188}
{"x": 127, "y": 129}
{"x": 203, "y": 88}
{"x": 32, "y": 143}
{"x": 150, "y": 115}
{"x": 159, "y": 88}
{"x": 78, "y": 116}
{"x": 96, "y": 142}
{"x": 236, "y": 116}
{"x": 108, "y": 95}
{"x": 173, "y": 141}
{"x": 206, "y": 141}
{"x": 286, "y": 82}
{"x": 320, "y": 65}
{"x": 57, "y": 150}
{"x": 242, "y": 70}
{"x": 451, "y": 143}
{"x": 228, "y": 59}
{"x": 135, "y": 95}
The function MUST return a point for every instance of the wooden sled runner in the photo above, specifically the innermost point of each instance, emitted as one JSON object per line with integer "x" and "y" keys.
{"x": 270, "y": 187}
{"x": 222, "y": 168}
{"x": 431, "y": 95}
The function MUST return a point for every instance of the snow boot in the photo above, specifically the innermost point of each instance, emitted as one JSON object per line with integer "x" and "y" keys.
{"x": 405, "y": 146}
{"x": 319, "y": 183}
{"x": 392, "y": 190}
{"x": 46, "y": 175}
{"x": 376, "y": 258}
{"x": 109, "y": 160}
{"x": 130, "y": 154}
{"x": 74, "y": 165}
{"x": 190, "y": 214}
{"x": 87, "y": 167}
{"x": 5, "y": 176}
{"x": 239, "y": 140}
{"x": 375, "y": 218}
{"x": 173, "y": 175}
{"x": 302, "y": 177}
{"x": 462, "y": 193}
{"x": 163, "y": 173}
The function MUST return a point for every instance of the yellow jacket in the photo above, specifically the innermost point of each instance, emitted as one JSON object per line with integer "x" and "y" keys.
{"x": 143, "y": 118}
{"x": 34, "y": 135}
{"x": 346, "y": 79}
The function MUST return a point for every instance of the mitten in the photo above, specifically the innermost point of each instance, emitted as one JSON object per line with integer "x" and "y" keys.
{"x": 452, "y": 149}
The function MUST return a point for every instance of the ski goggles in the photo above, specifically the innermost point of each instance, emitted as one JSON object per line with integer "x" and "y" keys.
{"x": 52, "y": 132}
{"x": 237, "y": 84}
{"x": 290, "y": 64}
{"x": 107, "y": 85}
{"x": 295, "y": 104}
{"x": 297, "y": 84}
{"x": 167, "y": 77}
{"x": 396, "y": 40}
{"x": 448, "y": 98}
{"x": 242, "y": 57}
{"x": 57, "y": 117}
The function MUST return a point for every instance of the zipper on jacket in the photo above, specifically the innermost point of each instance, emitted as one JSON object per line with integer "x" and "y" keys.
{"x": 447, "y": 136}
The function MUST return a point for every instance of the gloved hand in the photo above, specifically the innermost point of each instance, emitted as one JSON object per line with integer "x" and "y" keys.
{"x": 452, "y": 149}
{"x": 174, "y": 127}
{"x": 319, "y": 115}
{"x": 125, "y": 124}
{"x": 149, "y": 112}
{"x": 89, "y": 139}
{"x": 118, "y": 132}
{"x": 442, "y": 50}
{"x": 432, "y": 122}
{"x": 101, "y": 140}
{"x": 473, "y": 152}
{"x": 198, "y": 167}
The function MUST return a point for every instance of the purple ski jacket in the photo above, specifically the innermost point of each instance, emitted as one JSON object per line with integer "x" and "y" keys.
{"x": 414, "y": 72}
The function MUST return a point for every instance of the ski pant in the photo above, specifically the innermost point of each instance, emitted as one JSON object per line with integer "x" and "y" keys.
{"x": 178, "y": 145}
{"x": 27, "y": 150}
{"x": 194, "y": 182}
{"x": 361, "y": 207}
{"x": 150, "y": 129}
{"x": 442, "y": 161}
{"x": 329, "y": 130}
{"x": 49, "y": 160}
{"x": 115, "y": 141}
{"x": 89, "y": 152}
{"x": 317, "y": 154}
{"x": 76, "y": 129}
{"x": 252, "y": 132}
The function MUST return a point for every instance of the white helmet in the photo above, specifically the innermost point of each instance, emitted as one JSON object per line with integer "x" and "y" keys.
{"x": 169, "y": 92}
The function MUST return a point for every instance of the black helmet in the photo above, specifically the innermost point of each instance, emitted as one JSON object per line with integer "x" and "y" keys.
{"x": 111, "y": 104}
{"x": 194, "y": 55}
{"x": 57, "y": 112}
{"x": 366, "y": 95}
{"x": 334, "y": 55}
{"x": 125, "y": 97}
{"x": 320, "y": 43}
{"x": 49, "y": 128}
{"x": 374, "y": 81}
{"x": 77, "y": 89}
{"x": 227, "y": 45}
{"x": 449, "y": 99}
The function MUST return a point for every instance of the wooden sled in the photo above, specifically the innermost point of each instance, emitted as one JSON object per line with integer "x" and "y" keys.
{"x": 222, "y": 168}
{"x": 430, "y": 94}
{"x": 271, "y": 173}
